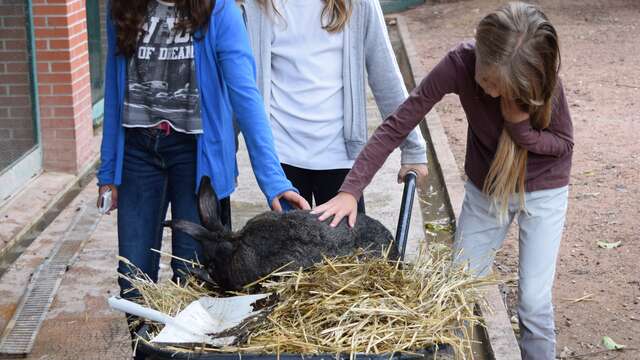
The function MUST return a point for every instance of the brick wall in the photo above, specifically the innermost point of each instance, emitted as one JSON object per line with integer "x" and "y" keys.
{"x": 63, "y": 83}
{"x": 16, "y": 122}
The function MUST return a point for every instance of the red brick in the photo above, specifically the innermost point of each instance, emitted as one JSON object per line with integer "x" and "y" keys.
{"x": 60, "y": 144}
{"x": 62, "y": 89}
{"x": 64, "y": 73}
{"x": 82, "y": 101}
{"x": 64, "y": 67}
{"x": 14, "y": 101}
{"x": 78, "y": 27}
{"x": 26, "y": 133}
{"x": 6, "y": 56}
{"x": 59, "y": 78}
{"x": 81, "y": 73}
{"x": 52, "y": 33}
{"x": 82, "y": 94}
{"x": 12, "y": 33}
{"x": 8, "y": 79}
{"x": 80, "y": 62}
{"x": 11, "y": 10}
{"x": 80, "y": 50}
{"x": 77, "y": 17}
{"x": 13, "y": 77}
{"x": 60, "y": 160}
{"x": 57, "y": 21}
{"x": 58, "y": 55}
{"x": 45, "y": 90}
{"x": 19, "y": 90}
{"x": 41, "y": 44}
{"x": 13, "y": 21}
{"x": 20, "y": 44}
{"x": 20, "y": 112}
{"x": 39, "y": 22}
{"x": 59, "y": 44}
{"x": 63, "y": 112}
{"x": 65, "y": 134}
{"x": 49, "y": 10}
{"x": 76, "y": 6}
{"x": 24, "y": 123}
{"x": 58, "y": 122}
{"x": 18, "y": 68}
{"x": 56, "y": 100}
{"x": 43, "y": 67}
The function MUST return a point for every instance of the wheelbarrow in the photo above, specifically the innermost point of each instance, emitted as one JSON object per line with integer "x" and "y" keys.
{"x": 156, "y": 352}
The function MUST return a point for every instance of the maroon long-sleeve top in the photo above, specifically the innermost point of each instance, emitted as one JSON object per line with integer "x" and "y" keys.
{"x": 550, "y": 150}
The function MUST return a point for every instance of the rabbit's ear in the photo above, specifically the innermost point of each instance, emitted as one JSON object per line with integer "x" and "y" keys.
{"x": 196, "y": 231}
{"x": 208, "y": 206}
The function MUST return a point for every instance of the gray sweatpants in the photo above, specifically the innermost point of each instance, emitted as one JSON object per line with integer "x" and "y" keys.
{"x": 479, "y": 235}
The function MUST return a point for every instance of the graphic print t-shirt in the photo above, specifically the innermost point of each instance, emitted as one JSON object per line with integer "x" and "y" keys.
{"x": 162, "y": 84}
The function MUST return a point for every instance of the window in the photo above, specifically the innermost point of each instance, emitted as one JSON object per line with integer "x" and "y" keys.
{"x": 18, "y": 102}
{"x": 96, "y": 34}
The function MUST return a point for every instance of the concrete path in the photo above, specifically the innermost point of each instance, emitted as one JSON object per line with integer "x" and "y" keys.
{"x": 80, "y": 325}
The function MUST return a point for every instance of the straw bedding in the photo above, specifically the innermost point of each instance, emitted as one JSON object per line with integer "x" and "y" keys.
{"x": 349, "y": 305}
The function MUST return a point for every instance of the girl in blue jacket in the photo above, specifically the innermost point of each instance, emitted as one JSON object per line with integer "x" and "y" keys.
{"x": 175, "y": 73}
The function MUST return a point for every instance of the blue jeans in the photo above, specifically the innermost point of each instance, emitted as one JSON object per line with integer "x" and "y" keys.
{"x": 479, "y": 235}
{"x": 159, "y": 170}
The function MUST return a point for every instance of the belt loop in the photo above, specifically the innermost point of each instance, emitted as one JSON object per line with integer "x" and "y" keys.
{"x": 165, "y": 127}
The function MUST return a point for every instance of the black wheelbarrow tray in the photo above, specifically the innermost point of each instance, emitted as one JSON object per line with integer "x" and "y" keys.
{"x": 159, "y": 352}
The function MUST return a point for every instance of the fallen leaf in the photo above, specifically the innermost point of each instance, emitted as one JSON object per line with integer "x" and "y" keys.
{"x": 439, "y": 228}
{"x": 608, "y": 245}
{"x": 610, "y": 344}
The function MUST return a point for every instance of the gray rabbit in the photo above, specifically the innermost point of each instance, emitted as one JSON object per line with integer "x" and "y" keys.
{"x": 272, "y": 240}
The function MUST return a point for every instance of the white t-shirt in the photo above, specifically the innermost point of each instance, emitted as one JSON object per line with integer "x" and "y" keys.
{"x": 307, "y": 104}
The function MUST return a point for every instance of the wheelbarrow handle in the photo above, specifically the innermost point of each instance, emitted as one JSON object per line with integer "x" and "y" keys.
{"x": 404, "y": 220}
{"x": 132, "y": 308}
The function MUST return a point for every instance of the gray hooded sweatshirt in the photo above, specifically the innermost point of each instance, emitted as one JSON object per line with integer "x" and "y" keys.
{"x": 366, "y": 47}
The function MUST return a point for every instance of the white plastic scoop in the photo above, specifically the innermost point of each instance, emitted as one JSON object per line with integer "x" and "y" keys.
{"x": 200, "y": 321}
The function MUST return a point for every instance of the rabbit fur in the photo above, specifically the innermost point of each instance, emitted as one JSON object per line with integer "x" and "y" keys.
{"x": 272, "y": 240}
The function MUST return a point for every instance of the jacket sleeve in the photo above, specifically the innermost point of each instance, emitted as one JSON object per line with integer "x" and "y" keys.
{"x": 386, "y": 81}
{"x": 111, "y": 123}
{"x": 556, "y": 140}
{"x": 442, "y": 80}
{"x": 239, "y": 74}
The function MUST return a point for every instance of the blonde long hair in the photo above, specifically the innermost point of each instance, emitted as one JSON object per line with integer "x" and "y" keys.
{"x": 521, "y": 44}
{"x": 335, "y": 14}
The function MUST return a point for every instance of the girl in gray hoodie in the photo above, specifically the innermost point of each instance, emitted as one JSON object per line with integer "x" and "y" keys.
{"x": 312, "y": 60}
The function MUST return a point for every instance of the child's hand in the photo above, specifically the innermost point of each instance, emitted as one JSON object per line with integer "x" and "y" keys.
{"x": 343, "y": 204}
{"x": 511, "y": 112}
{"x": 421, "y": 169}
{"x": 114, "y": 196}
{"x": 293, "y": 198}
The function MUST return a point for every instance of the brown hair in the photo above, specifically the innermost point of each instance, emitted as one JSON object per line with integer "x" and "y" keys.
{"x": 337, "y": 12}
{"x": 129, "y": 16}
{"x": 520, "y": 42}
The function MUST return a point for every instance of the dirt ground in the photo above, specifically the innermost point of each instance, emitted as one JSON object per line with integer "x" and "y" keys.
{"x": 600, "y": 42}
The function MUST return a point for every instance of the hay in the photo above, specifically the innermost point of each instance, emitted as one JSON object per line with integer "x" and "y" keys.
{"x": 168, "y": 297}
{"x": 351, "y": 305}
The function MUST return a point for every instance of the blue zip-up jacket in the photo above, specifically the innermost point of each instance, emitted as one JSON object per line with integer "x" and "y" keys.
{"x": 226, "y": 74}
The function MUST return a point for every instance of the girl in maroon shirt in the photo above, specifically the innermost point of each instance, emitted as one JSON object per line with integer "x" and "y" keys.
{"x": 518, "y": 155}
